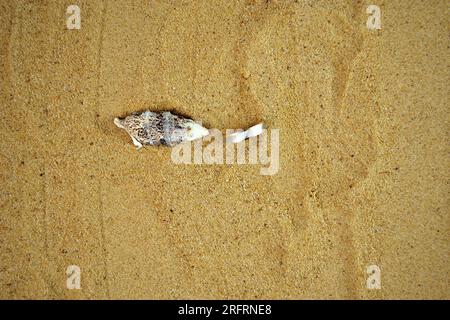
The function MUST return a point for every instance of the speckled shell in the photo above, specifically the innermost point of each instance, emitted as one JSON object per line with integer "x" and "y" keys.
{"x": 155, "y": 128}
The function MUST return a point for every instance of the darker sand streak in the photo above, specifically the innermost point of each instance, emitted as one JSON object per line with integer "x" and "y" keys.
{"x": 100, "y": 199}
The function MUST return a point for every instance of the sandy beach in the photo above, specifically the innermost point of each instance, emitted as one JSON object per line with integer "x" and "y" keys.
{"x": 364, "y": 170}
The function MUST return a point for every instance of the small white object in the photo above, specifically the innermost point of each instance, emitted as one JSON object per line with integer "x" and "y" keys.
{"x": 237, "y": 137}
{"x": 374, "y": 20}
{"x": 195, "y": 131}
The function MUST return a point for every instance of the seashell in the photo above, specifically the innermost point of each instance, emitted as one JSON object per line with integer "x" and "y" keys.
{"x": 160, "y": 128}
{"x": 240, "y": 136}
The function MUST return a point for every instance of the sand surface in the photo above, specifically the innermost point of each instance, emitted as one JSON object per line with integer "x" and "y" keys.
{"x": 364, "y": 150}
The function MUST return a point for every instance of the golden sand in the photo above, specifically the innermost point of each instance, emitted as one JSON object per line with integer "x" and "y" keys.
{"x": 364, "y": 154}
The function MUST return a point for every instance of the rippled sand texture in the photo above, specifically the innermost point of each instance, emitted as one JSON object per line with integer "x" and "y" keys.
{"x": 364, "y": 169}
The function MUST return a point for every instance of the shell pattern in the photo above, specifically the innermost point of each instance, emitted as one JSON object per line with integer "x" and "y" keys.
{"x": 160, "y": 128}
